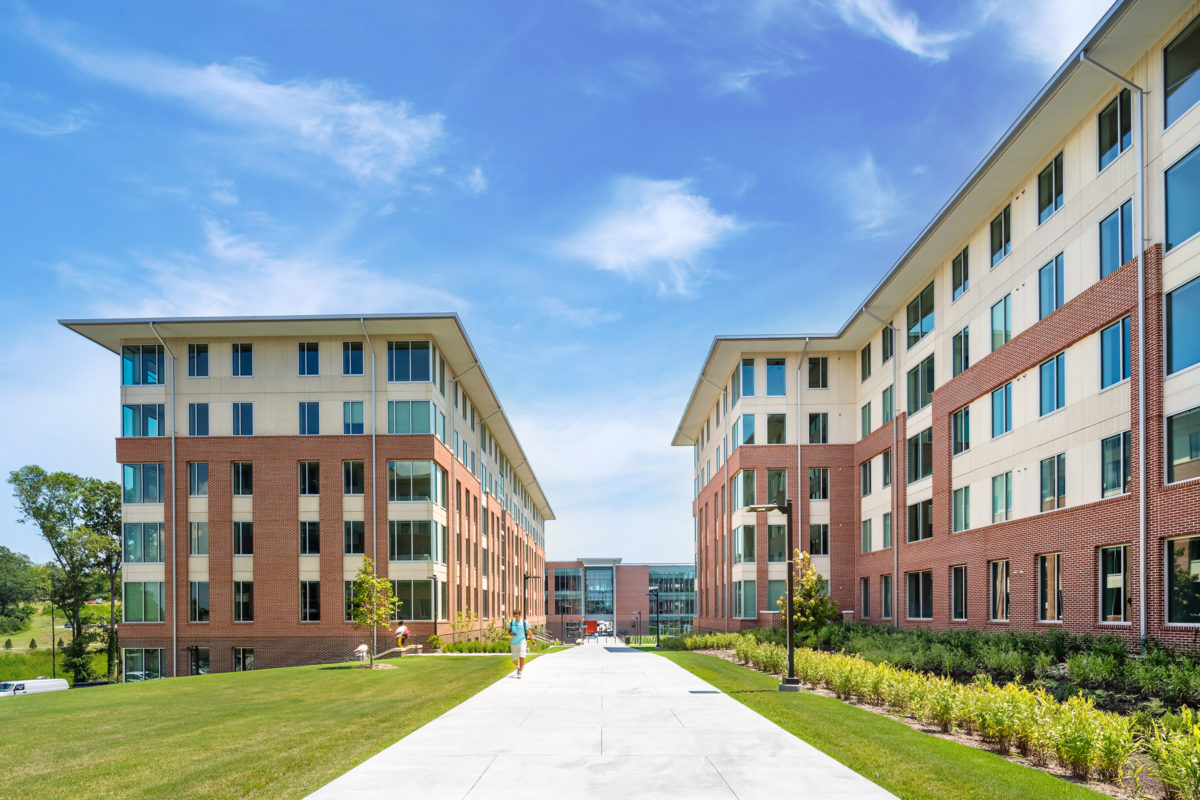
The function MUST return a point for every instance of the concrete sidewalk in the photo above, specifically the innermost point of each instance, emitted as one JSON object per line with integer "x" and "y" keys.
{"x": 600, "y": 721}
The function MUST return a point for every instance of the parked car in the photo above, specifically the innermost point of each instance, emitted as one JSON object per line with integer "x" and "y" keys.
{"x": 32, "y": 686}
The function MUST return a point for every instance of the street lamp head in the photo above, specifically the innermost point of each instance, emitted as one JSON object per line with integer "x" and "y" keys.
{"x": 781, "y": 507}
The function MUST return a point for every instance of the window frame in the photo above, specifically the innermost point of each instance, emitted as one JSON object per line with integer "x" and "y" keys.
{"x": 242, "y": 355}
{"x": 993, "y": 583}
{"x": 1005, "y": 232}
{"x": 307, "y": 352}
{"x": 1056, "y": 170}
{"x": 958, "y": 590}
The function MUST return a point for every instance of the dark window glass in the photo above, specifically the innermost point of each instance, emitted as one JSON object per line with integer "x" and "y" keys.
{"x": 776, "y": 378}
{"x": 818, "y": 539}
{"x": 197, "y": 361}
{"x": 776, "y": 428}
{"x": 888, "y": 343}
{"x": 1183, "y": 446}
{"x": 352, "y": 358}
{"x": 353, "y": 481}
{"x": 1052, "y": 384}
{"x": 310, "y": 359}
{"x": 1050, "y": 189}
{"x": 1002, "y": 410}
{"x": 197, "y": 419}
{"x": 243, "y": 478}
{"x": 1054, "y": 482}
{"x": 920, "y": 595}
{"x": 960, "y": 425}
{"x": 818, "y": 372}
{"x": 243, "y": 538}
{"x": 1116, "y": 239}
{"x": 1115, "y": 128}
{"x": 865, "y": 362}
{"x": 1114, "y": 465}
{"x": 960, "y": 352}
{"x": 355, "y": 537}
{"x": 818, "y": 428}
{"x": 1183, "y": 580}
{"x": 1001, "y": 235}
{"x": 243, "y": 607}
{"x": 310, "y": 418}
{"x": 818, "y": 483}
{"x": 1114, "y": 583}
{"x": 1050, "y": 287}
{"x": 310, "y": 601}
{"x": 310, "y": 538}
{"x": 243, "y": 419}
{"x": 920, "y": 455}
{"x": 243, "y": 360}
{"x": 920, "y": 315}
{"x": 1181, "y": 63}
{"x": 310, "y": 478}
{"x": 920, "y": 521}
{"x": 958, "y": 592}
{"x": 960, "y": 275}
{"x": 1114, "y": 353}
{"x": 198, "y": 601}
{"x": 920, "y": 385}
{"x": 1183, "y": 198}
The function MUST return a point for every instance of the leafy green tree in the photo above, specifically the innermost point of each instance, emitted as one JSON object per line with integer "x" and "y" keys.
{"x": 812, "y": 607}
{"x": 33, "y": 644}
{"x": 372, "y": 603}
{"x": 102, "y": 514}
{"x": 18, "y": 581}
{"x": 8, "y": 644}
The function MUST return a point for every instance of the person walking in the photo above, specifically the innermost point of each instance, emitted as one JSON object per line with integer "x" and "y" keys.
{"x": 402, "y": 635}
{"x": 518, "y": 638}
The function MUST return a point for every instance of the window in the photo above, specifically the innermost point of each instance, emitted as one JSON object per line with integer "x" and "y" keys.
{"x": 960, "y": 356}
{"x": 776, "y": 428}
{"x": 920, "y": 521}
{"x": 1115, "y": 129}
{"x": 920, "y": 456}
{"x": 747, "y": 429}
{"x": 1114, "y": 353}
{"x": 243, "y": 479}
{"x": 1002, "y": 323}
{"x": 409, "y": 362}
{"x": 1052, "y": 384}
{"x": 352, "y": 417}
{"x": 747, "y": 377}
{"x": 865, "y": 362}
{"x": 777, "y": 544}
{"x": 776, "y": 378}
{"x": 416, "y": 598}
{"x": 776, "y": 591}
{"x": 960, "y": 275}
{"x": 818, "y": 428}
{"x": 887, "y": 529}
{"x": 198, "y": 479}
{"x": 920, "y": 315}
{"x": 866, "y": 535}
{"x": 310, "y": 418}
{"x": 413, "y": 541}
{"x": 142, "y": 542}
{"x": 1116, "y": 239}
{"x": 146, "y": 419}
{"x": 310, "y": 478}
{"x": 1114, "y": 583}
{"x": 198, "y": 601}
{"x": 1002, "y": 410}
{"x": 920, "y": 385}
{"x": 197, "y": 419}
{"x": 958, "y": 592}
{"x": 197, "y": 538}
{"x": 999, "y": 590}
{"x": 1001, "y": 235}
{"x": 1183, "y": 198}
{"x": 1050, "y": 603}
{"x": 1054, "y": 482}
{"x": 1181, "y": 63}
{"x": 243, "y": 538}
{"x": 1183, "y": 327}
{"x": 143, "y": 602}
{"x": 735, "y": 386}
{"x": 887, "y": 344}
{"x": 818, "y": 372}
{"x": 1050, "y": 189}
{"x": 142, "y": 664}
{"x": 962, "y": 509}
{"x": 818, "y": 483}
{"x": 406, "y": 416}
{"x": 742, "y": 490}
{"x": 243, "y": 419}
{"x": 818, "y": 539}
{"x": 142, "y": 365}
{"x": 887, "y": 467}
{"x": 310, "y": 538}
{"x": 960, "y": 426}
{"x": 142, "y": 483}
{"x": 1183, "y": 446}
{"x": 197, "y": 361}
{"x": 352, "y": 358}
{"x": 864, "y": 478}
{"x": 920, "y": 594}
{"x": 743, "y": 544}
{"x": 354, "y": 537}
{"x": 353, "y": 480}
{"x": 1050, "y": 287}
{"x": 1114, "y": 465}
{"x": 1002, "y": 497}
{"x": 885, "y": 595}
{"x": 777, "y": 486}
{"x": 243, "y": 659}
{"x": 243, "y": 603}
{"x": 1183, "y": 580}
{"x": 416, "y": 482}
{"x": 888, "y": 405}
{"x": 865, "y": 413}
{"x": 243, "y": 360}
{"x": 310, "y": 601}
{"x": 309, "y": 359}
{"x": 864, "y": 593}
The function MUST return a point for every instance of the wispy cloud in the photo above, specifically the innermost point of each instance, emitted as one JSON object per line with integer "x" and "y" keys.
{"x": 476, "y": 181}
{"x": 68, "y": 122}
{"x": 579, "y": 317}
{"x": 373, "y": 140}
{"x": 872, "y": 200}
{"x": 881, "y": 19}
{"x": 1045, "y": 33}
{"x": 744, "y": 79}
{"x": 651, "y": 230}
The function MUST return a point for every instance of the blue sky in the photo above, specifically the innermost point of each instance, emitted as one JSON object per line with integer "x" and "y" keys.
{"x": 598, "y": 188}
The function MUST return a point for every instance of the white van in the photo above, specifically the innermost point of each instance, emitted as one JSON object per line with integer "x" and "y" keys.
{"x": 32, "y": 686}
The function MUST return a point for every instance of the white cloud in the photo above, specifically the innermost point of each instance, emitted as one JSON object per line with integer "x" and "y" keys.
{"x": 871, "y": 199}
{"x": 651, "y": 230}
{"x": 68, "y": 122}
{"x": 882, "y": 20}
{"x": 373, "y": 140}
{"x": 1045, "y": 33}
{"x": 477, "y": 181}
{"x": 744, "y": 79}
{"x": 578, "y": 317}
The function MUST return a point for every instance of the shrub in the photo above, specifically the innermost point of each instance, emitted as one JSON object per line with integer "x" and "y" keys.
{"x": 33, "y": 644}
{"x": 1093, "y": 671}
{"x": 1075, "y": 737}
{"x": 434, "y": 642}
{"x": 8, "y": 644}
{"x": 1174, "y": 756}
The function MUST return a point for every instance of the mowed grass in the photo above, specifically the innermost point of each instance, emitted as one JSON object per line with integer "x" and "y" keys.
{"x": 910, "y": 764}
{"x": 276, "y": 733}
{"x": 34, "y": 663}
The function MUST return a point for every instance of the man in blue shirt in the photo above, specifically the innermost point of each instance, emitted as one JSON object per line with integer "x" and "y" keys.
{"x": 518, "y": 632}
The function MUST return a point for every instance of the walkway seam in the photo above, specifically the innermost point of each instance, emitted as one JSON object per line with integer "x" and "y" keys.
{"x": 479, "y": 777}
{"x": 718, "y": 771}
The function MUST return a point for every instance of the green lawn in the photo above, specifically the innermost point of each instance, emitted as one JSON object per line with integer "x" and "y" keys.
{"x": 906, "y": 762}
{"x": 267, "y": 734}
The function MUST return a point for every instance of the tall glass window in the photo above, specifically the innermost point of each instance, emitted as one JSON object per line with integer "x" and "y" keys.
{"x": 864, "y": 478}
{"x": 143, "y": 602}
{"x": 416, "y": 481}
{"x": 866, "y": 535}
{"x": 1114, "y": 584}
{"x": 865, "y": 362}
{"x": 888, "y": 405}
{"x": 243, "y": 601}
{"x": 776, "y": 428}
{"x": 1053, "y": 472}
{"x": 920, "y": 455}
{"x": 142, "y": 365}
{"x": 747, "y": 377}
{"x": 887, "y": 343}
{"x": 310, "y": 538}
{"x": 1052, "y": 381}
{"x": 1050, "y": 287}
{"x": 818, "y": 539}
{"x": 1002, "y": 497}
{"x": 1050, "y": 605}
{"x": 920, "y": 521}
{"x": 197, "y": 361}
{"x": 865, "y": 415}
{"x": 1114, "y": 353}
{"x": 197, "y": 538}
{"x": 958, "y": 592}
{"x": 1116, "y": 239}
{"x": 920, "y": 315}
{"x": 777, "y": 543}
{"x": 197, "y": 419}
{"x": 1002, "y": 322}
{"x": 1183, "y": 580}
{"x": 409, "y": 362}
{"x": 999, "y": 590}
{"x": 747, "y": 429}
{"x": 1115, "y": 128}
{"x": 145, "y": 419}
{"x": 962, "y": 509}
{"x": 1050, "y": 189}
{"x": 885, "y": 595}
{"x": 960, "y": 277}
{"x": 352, "y": 417}
{"x": 818, "y": 428}
{"x": 743, "y": 544}
{"x": 141, "y": 483}
{"x": 818, "y": 372}
{"x": 960, "y": 355}
{"x": 353, "y": 478}
{"x": 1002, "y": 410}
{"x": 142, "y": 542}
{"x": 243, "y": 360}
{"x": 405, "y": 416}
{"x": 310, "y": 359}
{"x": 1183, "y": 198}
{"x": 352, "y": 358}
{"x": 920, "y": 385}
{"x": 818, "y": 483}
{"x": 1183, "y": 446}
{"x": 920, "y": 594}
{"x": 416, "y": 598}
{"x": 598, "y": 582}
{"x": 198, "y": 479}
{"x": 960, "y": 426}
{"x": 887, "y": 529}
{"x": 354, "y": 537}
{"x": 777, "y": 486}
{"x": 886, "y": 464}
{"x": 1001, "y": 235}
{"x": 1114, "y": 465}
{"x": 310, "y": 478}
{"x": 198, "y": 601}
{"x": 1183, "y": 326}
{"x": 1181, "y": 65}
{"x": 243, "y": 419}
{"x": 776, "y": 377}
{"x": 243, "y": 478}
{"x": 310, "y": 601}
{"x": 310, "y": 418}
{"x": 243, "y": 538}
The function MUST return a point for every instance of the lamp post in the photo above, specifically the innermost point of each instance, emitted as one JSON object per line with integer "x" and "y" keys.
{"x": 653, "y": 595}
{"x": 790, "y": 682}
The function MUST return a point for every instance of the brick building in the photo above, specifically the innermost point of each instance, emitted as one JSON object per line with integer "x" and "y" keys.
{"x": 1006, "y": 433}
{"x": 301, "y": 446}
{"x": 618, "y": 597}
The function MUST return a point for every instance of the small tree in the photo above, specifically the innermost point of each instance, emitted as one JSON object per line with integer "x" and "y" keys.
{"x": 812, "y": 607}
{"x": 8, "y": 644}
{"x": 372, "y": 603}
{"x": 33, "y": 644}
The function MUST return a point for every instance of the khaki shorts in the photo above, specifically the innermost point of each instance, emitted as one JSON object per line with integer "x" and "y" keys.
{"x": 518, "y": 650}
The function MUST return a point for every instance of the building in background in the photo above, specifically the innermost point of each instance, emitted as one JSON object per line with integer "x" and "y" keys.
{"x": 617, "y": 597}
{"x": 1006, "y": 433}
{"x": 301, "y": 446}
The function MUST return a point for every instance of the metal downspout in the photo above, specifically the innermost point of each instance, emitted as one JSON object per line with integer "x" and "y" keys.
{"x": 374, "y": 487}
{"x": 895, "y": 483}
{"x": 1141, "y": 240}
{"x": 174, "y": 491}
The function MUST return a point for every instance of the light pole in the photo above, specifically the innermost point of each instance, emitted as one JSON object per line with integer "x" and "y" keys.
{"x": 653, "y": 595}
{"x": 790, "y": 682}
